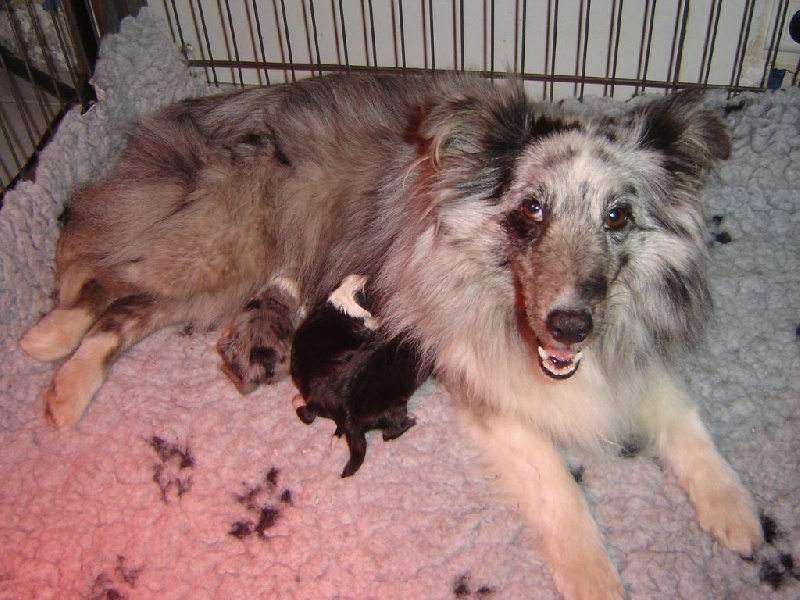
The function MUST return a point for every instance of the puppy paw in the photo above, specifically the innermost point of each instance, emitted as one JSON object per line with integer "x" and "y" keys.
{"x": 395, "y": 431}
{"x": 725, "y": 509}
{"x": 304, "y": 412}
{"x": 255, "y": 349}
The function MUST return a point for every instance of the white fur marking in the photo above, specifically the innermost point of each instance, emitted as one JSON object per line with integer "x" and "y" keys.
{"x": 77, "y": 381}
{"x": 343, "y": 298}
{"x": 724, "y": 508}
{"x": 534, "y": 473}
{"x": 288, "y": 285}
{"x": 57, "y": 334}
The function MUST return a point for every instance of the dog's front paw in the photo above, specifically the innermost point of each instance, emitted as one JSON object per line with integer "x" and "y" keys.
{"x": 725, "y": 509}
{"x": 587, "y": 576}
{"x": 255, "y": 349}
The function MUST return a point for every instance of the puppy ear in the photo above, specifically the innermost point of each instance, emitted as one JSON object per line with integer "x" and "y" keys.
{"x": 691, "y": 139}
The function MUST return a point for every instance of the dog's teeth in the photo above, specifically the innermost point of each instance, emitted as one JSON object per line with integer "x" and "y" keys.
{"x": 558, "y": 367}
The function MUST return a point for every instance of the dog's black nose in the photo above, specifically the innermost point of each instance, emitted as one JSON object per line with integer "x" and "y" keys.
{"x": 569, "y": 326}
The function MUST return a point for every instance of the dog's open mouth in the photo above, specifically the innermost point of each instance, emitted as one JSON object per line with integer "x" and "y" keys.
{"x": 557, "y": 363}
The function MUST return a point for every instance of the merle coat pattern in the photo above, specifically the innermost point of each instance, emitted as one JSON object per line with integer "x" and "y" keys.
{"x": 550, "y": 265}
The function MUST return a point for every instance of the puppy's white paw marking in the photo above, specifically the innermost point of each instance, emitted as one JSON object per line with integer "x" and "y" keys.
{"x": 725, "y": 509}
{"x": 57, "y": 334}
{"x": 76, "y": 382}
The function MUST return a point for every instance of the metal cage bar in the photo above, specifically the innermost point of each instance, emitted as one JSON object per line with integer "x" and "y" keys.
{"x": 45, "y": 62}
{"x": 559, "y": 48}
{"x": 47, "y": 54}
{"x": 547, "y": 43}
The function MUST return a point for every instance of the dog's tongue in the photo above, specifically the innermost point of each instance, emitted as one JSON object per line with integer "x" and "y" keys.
{"x": 558, "y": 363}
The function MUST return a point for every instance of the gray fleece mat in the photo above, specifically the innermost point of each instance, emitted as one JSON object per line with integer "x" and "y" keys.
{"x": 175, "y": 486}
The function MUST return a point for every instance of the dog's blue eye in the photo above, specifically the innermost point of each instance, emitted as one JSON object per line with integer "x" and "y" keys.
{"x": 617, "y": 218}
{"x": 532, "y": 209}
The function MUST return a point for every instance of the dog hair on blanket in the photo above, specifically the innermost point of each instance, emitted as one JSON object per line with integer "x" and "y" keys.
{"x": 551, "y": 265}
{"x": 347, "y": 371}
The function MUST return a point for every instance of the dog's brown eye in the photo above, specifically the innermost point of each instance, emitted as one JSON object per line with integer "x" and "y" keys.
{"x": 532, "y": 210}
{"x": 617, "y": 218}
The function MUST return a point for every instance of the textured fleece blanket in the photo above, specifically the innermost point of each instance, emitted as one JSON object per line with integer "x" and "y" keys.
{"x": 175, "y": 486}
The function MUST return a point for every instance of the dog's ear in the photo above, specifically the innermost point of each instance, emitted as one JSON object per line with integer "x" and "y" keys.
{"x": 472, "y": 125}
{"x": 472, "y": 137}
{"x": 691, "y": 138}
{"x": 446, "y": 130}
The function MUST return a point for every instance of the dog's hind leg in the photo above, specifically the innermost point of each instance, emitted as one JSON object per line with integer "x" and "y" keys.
{"x": 125, "y": 322}
{"x": 724, "y": 507}
{"x": 61, "y": 330}
{"x": 57, "y": 334}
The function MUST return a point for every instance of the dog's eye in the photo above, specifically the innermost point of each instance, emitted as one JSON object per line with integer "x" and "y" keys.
{"x": 617, "y": 218}
{"x": 532, "y": 210}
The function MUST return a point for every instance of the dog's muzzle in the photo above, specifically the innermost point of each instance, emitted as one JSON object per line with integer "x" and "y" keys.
{"x": 568, "y": 328}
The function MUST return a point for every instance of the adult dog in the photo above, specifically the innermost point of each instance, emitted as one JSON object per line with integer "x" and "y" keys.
{"x": 551, "y": 266}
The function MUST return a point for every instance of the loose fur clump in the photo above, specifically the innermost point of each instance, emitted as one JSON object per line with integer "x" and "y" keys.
{"x": 551, "y": 266}
{"x": 173, "y": 471}
{"x": 347, "y": 371}
{"x": 266, "y": 502}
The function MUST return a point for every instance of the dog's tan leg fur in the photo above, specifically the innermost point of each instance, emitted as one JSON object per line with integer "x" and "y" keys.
{"x": 121, "y": 324}
{"x": 536, "y": 476}
{"x": 76, "y": 382}
{"x": 57, "y": 334}
{"x": 723, "y": 506}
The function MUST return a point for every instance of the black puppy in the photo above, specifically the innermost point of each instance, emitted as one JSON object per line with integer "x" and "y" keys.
{"x": 347, "y": 371}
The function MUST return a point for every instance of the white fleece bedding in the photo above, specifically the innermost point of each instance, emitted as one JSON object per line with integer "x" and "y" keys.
{"x": 175, "y": 486}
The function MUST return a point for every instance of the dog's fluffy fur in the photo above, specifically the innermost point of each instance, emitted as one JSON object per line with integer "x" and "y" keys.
{"x": 551, "y": 265}
{"x": 347, "y": 371}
